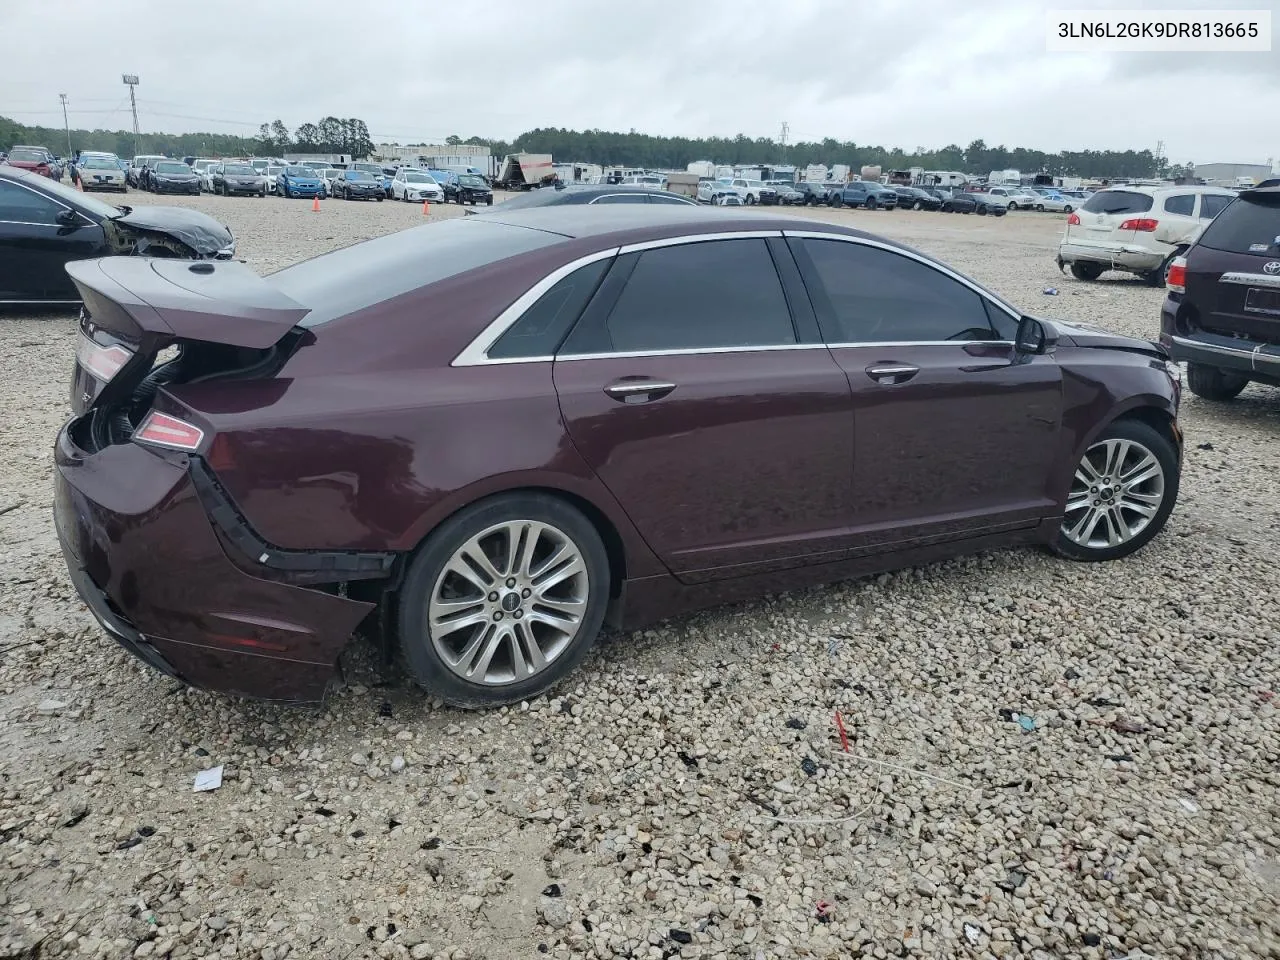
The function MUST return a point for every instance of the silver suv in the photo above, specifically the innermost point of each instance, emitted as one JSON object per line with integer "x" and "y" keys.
{"x": 1137, "y": 229}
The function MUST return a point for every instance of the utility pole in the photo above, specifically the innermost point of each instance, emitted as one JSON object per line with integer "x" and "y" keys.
{"x": 131, "y": 80}
{"x": 66, "y": 125}
{"x": 783, "y": 139}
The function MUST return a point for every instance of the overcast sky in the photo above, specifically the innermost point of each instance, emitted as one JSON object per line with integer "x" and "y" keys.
{"x": 913, "y": 73}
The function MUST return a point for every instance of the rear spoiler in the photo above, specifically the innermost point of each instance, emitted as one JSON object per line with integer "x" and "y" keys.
{"x": 219, "y": 301}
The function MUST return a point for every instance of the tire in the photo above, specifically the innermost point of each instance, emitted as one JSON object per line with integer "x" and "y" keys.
{"x": 837, "y": 200}
{"x": 981, "y": 211}
{"x": 1012, "y": 206}
{"x": 489, "y": 201}
{"x": 1214, "y": 383}
{"x": 1040, "y": 207}
{"x": 1067, "y": 208}
{"x": 918, "y": 205}
{"x": 1086, "y": 270}
{"x": 262, "y": 194}
{"x": 381, "y": 198}
{"x": 871, "y": 203}
{"x": 750, "y": 200}
{"x": 490, "y": 523}
{"x": 1125, "y": 449}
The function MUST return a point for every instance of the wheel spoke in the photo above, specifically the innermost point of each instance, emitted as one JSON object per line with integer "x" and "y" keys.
{"x": 1087, "y": 473}
{"x": 524, "y": 564}
{"x": 558, "y": 555}
{"x": 496, "y": 639}
{"x": 527, "y": 655}
{"x": 1117, "y": 450}
{"x": 1150, "y": 470}
{"x": 1117, "y": 523}
{"x": 449, "y": 616}
{"x": 1138, "y": 507}
{"x": 468, "y": 653}
{"x": 1152, "y": 500}
{"x": 1078, "y": 500}
{"x": 571, "y": 609}
{"x": 557, "y": 575}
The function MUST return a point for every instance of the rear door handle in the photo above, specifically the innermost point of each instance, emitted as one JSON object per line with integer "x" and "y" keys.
{"x": 890, "y": 373}
{"x": 638, "y": 389}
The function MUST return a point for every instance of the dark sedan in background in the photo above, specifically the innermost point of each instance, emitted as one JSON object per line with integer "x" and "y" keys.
{"x": 173, "y": 176}
{"x": 596, "y": 193}
{"x": 814, "y": 193}
{"x": 230, "y": 179}
{"x": 358, "y": 185}
{"x": 786, "y": 195}
{"x": 913, "y": 198}
{"x": 961, "y": 201}
{"x": 44, "y": 225}
{"x": 468, "y": 188}
{"x": 623, "y": 413}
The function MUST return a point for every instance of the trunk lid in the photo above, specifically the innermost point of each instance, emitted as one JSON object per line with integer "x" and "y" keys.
{"x": 215, "y": 318}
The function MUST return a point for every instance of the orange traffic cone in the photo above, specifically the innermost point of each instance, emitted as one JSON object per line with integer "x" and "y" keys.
{"x": 315, "y": 204}
{"x": 426, "y": 208}
{"x": 80, "y": 184}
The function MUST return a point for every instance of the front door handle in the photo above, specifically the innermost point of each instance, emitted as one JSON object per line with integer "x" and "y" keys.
{"x": 638, "y": 389}
{"x": 890, "y": 373}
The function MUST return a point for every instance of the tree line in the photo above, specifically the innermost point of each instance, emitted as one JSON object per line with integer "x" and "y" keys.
{"x": 351, "y": 136}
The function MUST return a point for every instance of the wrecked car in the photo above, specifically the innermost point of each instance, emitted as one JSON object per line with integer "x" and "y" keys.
{"x": 45, "y": 225}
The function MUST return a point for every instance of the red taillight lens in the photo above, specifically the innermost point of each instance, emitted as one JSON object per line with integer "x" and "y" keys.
{"x": 163, "y": 430}
{"x": 1176, "y": 278}
{"x": 1073, "y": 220}
{"x": 1141, "y": 225}
{"x": 103, "y": 362}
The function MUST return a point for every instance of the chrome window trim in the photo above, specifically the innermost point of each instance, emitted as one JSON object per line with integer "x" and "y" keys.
{"x": 920, "y": 343}
{"x": 947, "y": 271}
{"x": 686, "y": 352}
{"x": 475, "y": 353}
{"x": 1252, "y": 279}
{"x": 698, "y": 238}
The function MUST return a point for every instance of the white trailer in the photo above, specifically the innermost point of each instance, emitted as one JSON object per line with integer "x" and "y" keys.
{"x": 839, "y": 173}
{"x": 815, "y": 173}
{"x": 943, "y": 178}
{"x": 524, "y": 171}
{"x": 702, "y": 168}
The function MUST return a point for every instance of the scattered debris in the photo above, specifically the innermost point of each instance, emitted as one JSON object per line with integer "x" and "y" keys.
{"x": 1126, "y": 725}
{"x": 1028, "y": 724}
{"x": 1050, "y": 291}
{"x": 1204, "y": 446}
{"x": 1188, "y": 805}
{"x": 972, "y": 932}
{"x": 210, "y": 779}
{"x": 844, "y": 737}
{"x": 795, "y": 723}
{"x": 822, "y": 912}
{"x": 552, "y": 891}
{"x": 1091, "y": 939}
{"x": 680, "y": 936}
{"x": 1071, "y": 674}
{"x": 51, "y": 708}
{"x": 809, "y": 767}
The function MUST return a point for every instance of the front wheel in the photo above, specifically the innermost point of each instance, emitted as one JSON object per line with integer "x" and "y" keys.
{"x": 1013, "y": 206}
{"x": 750, "y": 200}
{"x": 1067, "y": 208}
{"x": 871, "y": 203}
{"x": 918, "y": 205}
{"x": 1040, "y": 208}
{"x": 1122, "y": 494}
{"x": 1214, "y": 383}
{"x": 503, "y": 600}
{"x": 837, "y": 200}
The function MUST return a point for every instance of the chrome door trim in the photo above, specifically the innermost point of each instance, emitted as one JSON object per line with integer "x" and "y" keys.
{"x": 1253, "y": 279}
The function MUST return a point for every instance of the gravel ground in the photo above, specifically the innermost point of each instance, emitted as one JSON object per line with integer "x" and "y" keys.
{"x": 1045, "y": 759}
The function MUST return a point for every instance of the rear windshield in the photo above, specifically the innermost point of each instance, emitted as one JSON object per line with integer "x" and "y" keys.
{"x": 1118, "y": 201}
{"x": 338, "y": 283}
{"x": 1248, "y": 225}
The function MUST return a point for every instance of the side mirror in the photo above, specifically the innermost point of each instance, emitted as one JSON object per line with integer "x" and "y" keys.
{"x": 1034, "y": 337}
{"x": 68, "y": 218}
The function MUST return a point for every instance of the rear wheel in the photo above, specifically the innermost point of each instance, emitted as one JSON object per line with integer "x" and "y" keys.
{"x": 982, "y": 211}
{"x": 503, "y": 600}
{"x": 1084, "y": 270}
{"x": 1214, "y": 383}
{"x": 871, "y": 203}
{"x": 837, "y": 200}
{"x": 1040, "y": 207}
{"x": 1122, "y": 494}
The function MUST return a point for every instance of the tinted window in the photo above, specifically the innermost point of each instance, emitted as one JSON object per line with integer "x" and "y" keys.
{"x": 722, "y": 293}
{"x": 622, "y": 198}
{"x": 1118, "y": 201}
{"x": 662, "y": 199}
{"x": 20, "y": 205}
{"x": 1246, "y": 226}
{"x": 541, "y": 328}
{"x": 871, "y": 295}
{"x": 1182, "y": 204}
{"x": 1211, "y": 204}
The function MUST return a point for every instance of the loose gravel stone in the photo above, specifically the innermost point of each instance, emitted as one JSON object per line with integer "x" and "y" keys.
{"x": 662, "y": 787}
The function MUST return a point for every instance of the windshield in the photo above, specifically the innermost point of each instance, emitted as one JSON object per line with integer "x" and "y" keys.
{"x": 98, "y": 163}
{"x": 146, "y": 161}
{"x": 274, "y": 171}
{"x": 358, "y": 175}
{"x": 26, "y": 156}
{"x": 175, "y": 167}
{"x": 202, "y": 165}
{"x": 1118, "y": 201}
{"x": 471, "y": 180}
{"x": 299, "y": 172}
{"x": 417, "y": 178}
{"x": 258, "y": 164}
{"x": 367, "y": 167}
{"x": 238, "y": 169}
{"x": 1248, "y": 225}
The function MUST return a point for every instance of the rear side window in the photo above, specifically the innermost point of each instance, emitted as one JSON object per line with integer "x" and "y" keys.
{"x": 1249, "y": 226}
{"x": 1182, "y": 204}
{"x": 721, "y": 293}
{"x": 867, "y": 295}
{"x": 622, "y": 198}
{"x": 540, "y": 329}
{"x": 1211, "y": 204}
{"x": 1118, "y": 201}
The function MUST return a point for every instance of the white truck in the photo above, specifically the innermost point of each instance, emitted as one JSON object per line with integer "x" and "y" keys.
{"x": 524, "y": 171}
{"x": 702, "y": 168}
{"x": 1004, "y": 176}
{"x": 815, "y": 173}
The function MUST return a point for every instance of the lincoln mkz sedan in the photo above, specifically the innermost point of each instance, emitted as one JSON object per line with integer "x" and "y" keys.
{"x": 479, "y": 440}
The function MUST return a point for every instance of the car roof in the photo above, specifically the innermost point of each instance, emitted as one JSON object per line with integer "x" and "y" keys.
{"x": 1268, "y": 194}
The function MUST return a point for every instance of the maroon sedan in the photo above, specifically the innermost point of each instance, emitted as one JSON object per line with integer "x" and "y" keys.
{"x": 478, "y": 439}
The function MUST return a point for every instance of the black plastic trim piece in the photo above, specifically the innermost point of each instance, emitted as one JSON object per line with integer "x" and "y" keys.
{"x": 335, "y": 565}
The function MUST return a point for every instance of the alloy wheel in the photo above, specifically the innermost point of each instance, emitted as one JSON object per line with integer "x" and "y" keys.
{"x": 1117, "y": 490}
{"x": 508, "y": 602}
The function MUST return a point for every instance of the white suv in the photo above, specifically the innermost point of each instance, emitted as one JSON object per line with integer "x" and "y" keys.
{"x": 1137, "y": 229}
{"x": 1014, "y": 195}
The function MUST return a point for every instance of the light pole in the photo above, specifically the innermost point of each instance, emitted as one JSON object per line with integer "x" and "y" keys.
{"x": 65, "y": 124}
{"x": 131, "y": 80}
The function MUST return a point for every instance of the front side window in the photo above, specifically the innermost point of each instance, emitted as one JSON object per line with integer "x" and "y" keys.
{"x": 20, "y": 205}
{"x": 719, "y": 293}
{"x": 1182, "y": 204}
{"x": 864, "y": 294}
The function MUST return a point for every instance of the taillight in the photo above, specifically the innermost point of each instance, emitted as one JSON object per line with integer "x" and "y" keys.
{"x": 1176, "y": 278}
{"x": 1141, "y": 225}
{"x": 163, "y": 430}
{"x": 103, "y": 362}
{"x": 1073, "y": 220}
